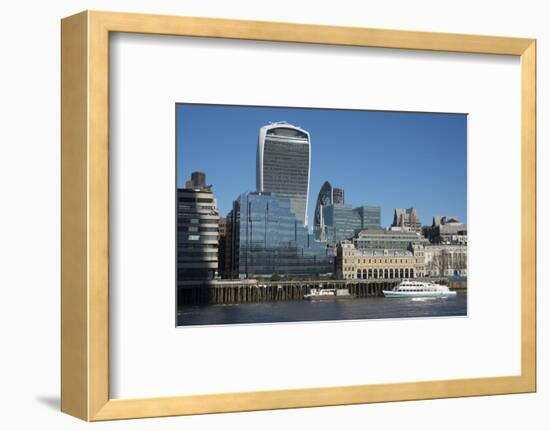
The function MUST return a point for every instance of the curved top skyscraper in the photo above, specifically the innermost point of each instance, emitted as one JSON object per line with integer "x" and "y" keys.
{"x": 283, "y": 162}
{"x": 328, "y": 195}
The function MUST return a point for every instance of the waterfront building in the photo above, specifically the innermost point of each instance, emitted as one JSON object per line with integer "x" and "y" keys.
{"x": 283, "y": 161}
{"x": 446, "y": 260}
{"x": 387, "y": 239}
{"x": 265, "y": 239}
{"x": 222, "y": 245}
{"x": 197, "y": 230}
{"x": 406, "y": 219}
{"x": 353, "y": 263}
{"x": 447, "y": 230}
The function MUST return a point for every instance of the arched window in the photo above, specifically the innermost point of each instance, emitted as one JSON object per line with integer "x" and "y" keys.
{"x": 370, "y": 273}
{"x": 375, "y": 273}
{"x": 391, "y": 273}
{"x": 406, "y": 272}
{"x": 386, "y": 275}
{"x": 358, "y": 273}
{"x": 412, "y": 273}
{"x": 401, "y": 273}
{"x": 364, "y": 273}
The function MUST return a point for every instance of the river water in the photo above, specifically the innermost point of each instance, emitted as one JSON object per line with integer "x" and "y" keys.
{"x": 307, "y": 311}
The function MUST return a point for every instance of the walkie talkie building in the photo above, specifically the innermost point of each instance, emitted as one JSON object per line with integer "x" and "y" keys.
{"x": 283, "y": 165}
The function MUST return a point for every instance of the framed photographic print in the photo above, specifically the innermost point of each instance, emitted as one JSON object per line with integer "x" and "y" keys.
{"x": 276, "y": 255}
{"x": 266, "y": 215}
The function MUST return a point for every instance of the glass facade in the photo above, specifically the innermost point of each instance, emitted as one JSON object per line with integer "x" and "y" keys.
{"x": 370, "y": 216}
{"x": 341, "y": 222}
{"x": 267, "y": 239}
{"x": 324, "y": 198}
{"x": 283, "y": 165}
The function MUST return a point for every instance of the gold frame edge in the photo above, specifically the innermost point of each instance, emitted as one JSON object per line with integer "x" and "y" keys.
{"x": 84, "y": 209}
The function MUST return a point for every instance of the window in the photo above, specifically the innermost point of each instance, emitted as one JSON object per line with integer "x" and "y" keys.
{"x": 194, "y": 237}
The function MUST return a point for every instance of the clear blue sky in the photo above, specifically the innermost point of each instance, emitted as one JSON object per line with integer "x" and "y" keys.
{"x": 388, "y": 159}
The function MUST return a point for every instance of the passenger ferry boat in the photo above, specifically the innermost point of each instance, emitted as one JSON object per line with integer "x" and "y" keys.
{"x": 418, "y": 289}
{"x": 328, "y": 294}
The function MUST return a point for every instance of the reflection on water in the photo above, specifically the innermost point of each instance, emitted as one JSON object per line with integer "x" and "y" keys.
{"x": 307, "y": 311}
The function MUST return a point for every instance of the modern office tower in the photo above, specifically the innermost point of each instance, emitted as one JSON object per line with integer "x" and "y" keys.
{"x": 197, "y": 224}
{"x": 387, "y": 239}
{"x": 406, "y": 219}
{"x": 328, "y": 195}
{"x": 283, "y": 165}
{"x": 447, "y": 230}
{"x": 340, "y": 222}
{"x": 370, "y": 216}
{"x": 265, "y": 238}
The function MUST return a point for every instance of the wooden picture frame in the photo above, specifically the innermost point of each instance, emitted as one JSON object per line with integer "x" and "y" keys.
{"x": 85, "y": 220}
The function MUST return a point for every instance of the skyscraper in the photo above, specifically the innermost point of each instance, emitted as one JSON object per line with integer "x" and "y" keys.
{"x": 283, "y": 165}
{"x": 197, "y": 224}
{"x": 328, "y": 195}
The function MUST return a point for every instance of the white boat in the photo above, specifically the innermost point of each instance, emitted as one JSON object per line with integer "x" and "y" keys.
{"x": 419, "y": 289}
{"x": 327, "y": 294}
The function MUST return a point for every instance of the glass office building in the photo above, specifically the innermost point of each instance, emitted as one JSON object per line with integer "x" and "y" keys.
{"x": 328, "y": 195}
{"x": 370, "y": 216}
{"x": 283, "y": 165}
{"x": 266, "y": 238}
{"x": 341, "y": 222}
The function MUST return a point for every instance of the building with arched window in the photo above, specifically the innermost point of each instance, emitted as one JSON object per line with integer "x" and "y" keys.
{"x": 353, "y": 263}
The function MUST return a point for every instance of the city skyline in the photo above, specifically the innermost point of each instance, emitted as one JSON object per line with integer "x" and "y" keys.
{"x": 386, "y": 159}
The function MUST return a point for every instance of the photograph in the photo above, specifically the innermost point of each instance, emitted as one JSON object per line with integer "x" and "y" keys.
{"x": 298, "y": 214}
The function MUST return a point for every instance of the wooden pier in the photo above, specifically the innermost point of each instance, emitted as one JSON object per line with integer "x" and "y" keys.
{"x": 246, "y": 291}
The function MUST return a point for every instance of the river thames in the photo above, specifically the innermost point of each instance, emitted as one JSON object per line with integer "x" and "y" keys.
{"x": 323, "y": 310}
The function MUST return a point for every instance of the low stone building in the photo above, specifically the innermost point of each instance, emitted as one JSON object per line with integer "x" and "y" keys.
{"x": 353, "y": 263}
{"x": 388, "y": 239}
{"x": 446, "y": 260}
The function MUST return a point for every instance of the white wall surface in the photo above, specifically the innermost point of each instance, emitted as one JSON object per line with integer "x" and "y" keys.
{"x": 29, "y": 216}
